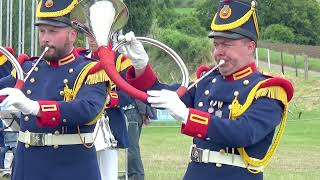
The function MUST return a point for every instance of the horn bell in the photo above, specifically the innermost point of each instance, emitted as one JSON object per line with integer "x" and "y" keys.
{"x": 87, "y": 18}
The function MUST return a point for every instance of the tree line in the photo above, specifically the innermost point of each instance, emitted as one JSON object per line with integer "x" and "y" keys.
{"x": 183, "y": 24}
{"x": 291, "y": 21}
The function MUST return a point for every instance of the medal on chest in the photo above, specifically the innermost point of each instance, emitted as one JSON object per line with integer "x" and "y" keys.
{"x": 218, "y": 112}
{"x": 218, "y": 105}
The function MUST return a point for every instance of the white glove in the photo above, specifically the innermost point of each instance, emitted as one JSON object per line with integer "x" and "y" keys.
{"x": 17, "y": 99}
{"x": 170, "y": 101}
{"x": 134, "y": 50}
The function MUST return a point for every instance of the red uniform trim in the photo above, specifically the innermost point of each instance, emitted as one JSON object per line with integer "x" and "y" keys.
{"x": 114, "y": 100}
{"x": 197, "y": 124}
{"x": 144, "y": 81}
{"x": 242, "y": 73}
{"x": 123, "y": 58}
{"x": 79, "y": 49}
{"x": 65, "y": 60}
{"x": 201, "y": 69}
{"x": 284, "y": 83}
{"x": 22, "y": 58}
{"x": 49, "y": 114}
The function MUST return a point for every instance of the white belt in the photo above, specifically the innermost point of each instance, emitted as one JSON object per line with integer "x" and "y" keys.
{"x": 43, "y": 139}
{"x": 207, "y": 156}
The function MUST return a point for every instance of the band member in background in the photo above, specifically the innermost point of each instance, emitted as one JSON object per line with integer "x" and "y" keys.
{"x": 138, "y": 114}
{"x": 107, "y": 154}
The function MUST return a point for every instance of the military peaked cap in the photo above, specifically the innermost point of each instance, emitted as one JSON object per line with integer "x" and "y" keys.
{"x": 236, "y": 19}
{"x": 55, "y": 12}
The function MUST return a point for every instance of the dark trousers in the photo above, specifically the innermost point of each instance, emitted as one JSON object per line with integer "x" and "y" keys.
{"x": 135, "y": 165}
{"x": 2, "y": 147}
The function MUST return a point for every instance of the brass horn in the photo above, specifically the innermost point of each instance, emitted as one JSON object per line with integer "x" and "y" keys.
{"x": 16, "y": 66}
{"x": 100, "y": 19}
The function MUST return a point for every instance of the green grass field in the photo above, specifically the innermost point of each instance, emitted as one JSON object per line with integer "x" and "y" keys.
{"x": 288, "y": 59}
{"x": 165, "y": 153}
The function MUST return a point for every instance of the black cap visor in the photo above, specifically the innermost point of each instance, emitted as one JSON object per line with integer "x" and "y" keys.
{"x": 57, "y": 22}
{"x": 225, "y": 34}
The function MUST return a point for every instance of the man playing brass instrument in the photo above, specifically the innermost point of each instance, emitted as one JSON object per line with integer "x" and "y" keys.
{"x": 233, "y": 112}
{"x": 60, "y": 103}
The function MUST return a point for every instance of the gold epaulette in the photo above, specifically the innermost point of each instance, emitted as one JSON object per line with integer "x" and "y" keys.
{"x": 97, "y": 77}
{"x": 273, "y": 92}
{"x": 3, "y": 59}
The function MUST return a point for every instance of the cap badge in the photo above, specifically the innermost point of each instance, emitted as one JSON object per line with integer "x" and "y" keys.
{"x": 49, "y": 3}
{"x": 225, "y": 12}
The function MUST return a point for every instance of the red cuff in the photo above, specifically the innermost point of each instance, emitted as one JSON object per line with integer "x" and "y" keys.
{"x": 144, "y": 81}
{"x": 49, "y": 114}
{"x": 197, "y": 124}
{"x": 114, "y": 100}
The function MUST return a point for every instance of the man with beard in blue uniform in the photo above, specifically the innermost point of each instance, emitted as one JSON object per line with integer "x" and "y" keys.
{"x": 60, "y": 103}
{"x": 233, "y": 112}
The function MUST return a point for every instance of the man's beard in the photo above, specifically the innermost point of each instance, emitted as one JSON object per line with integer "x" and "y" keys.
{"x": 58, "y": 54}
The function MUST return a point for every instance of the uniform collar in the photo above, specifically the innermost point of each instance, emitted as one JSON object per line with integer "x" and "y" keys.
{"x": 65, "y": 60}
{"x": 242, "y": 73}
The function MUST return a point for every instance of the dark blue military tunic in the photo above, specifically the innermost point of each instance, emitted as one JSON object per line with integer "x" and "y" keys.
{"x": 63, "y": 108}
{"x": 211, "y": 125}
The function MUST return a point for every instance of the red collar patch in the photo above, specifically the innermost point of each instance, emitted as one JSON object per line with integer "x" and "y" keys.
{"x": 67, "y": 59}
{"x": 242, "y": 73}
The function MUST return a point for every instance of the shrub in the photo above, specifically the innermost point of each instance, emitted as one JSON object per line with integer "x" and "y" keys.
{"x": 189, "y": 25}
{"x": 167, "y": 17}
{"x": 206, "y": 11}
{"x": 192, "y": 48}
{"x": 278, "y": 32}
{"x": 193, "y": 51}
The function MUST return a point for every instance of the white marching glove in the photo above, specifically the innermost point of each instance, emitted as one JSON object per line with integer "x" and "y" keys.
{"x": 16, "y": 98}
{"x": 170, "y": 101}
{"x": 134, "y": 50}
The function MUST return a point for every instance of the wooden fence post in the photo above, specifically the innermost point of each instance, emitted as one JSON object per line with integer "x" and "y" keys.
{"x": 306, "y": 68}
{"x": 282, "y": 68}
{"x": 295, "y": 63}
{"x": 257, "y": 57}
{"x": 269, "y": 65}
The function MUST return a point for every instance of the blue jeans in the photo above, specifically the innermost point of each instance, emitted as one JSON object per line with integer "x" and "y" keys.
{"x": 10, "y": 143}
{"x": 2, "y": 147}
{"x": 135, "y": 165}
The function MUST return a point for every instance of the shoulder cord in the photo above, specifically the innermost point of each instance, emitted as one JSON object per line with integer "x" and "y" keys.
{"x": 237, "y": 109}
